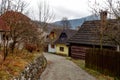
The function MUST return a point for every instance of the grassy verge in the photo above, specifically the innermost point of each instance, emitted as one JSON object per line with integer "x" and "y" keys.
{"x": 99, "y": 76}
{"x": 15, "y": 63}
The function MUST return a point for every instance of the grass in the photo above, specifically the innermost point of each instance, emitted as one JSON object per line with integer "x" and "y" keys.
{"x": 98, "y": 75}
{"x": 15, "y": 63}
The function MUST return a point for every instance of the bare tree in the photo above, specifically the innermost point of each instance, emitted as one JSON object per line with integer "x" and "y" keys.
{"x": 99, "y": 11}
{"x": 111, "y": 30}
{"x": 33, "y": 37}
{"x": 45, "y": 14}
{"x": 65, "y": 23}
{"x": 22, "y": 29}
{"x": 18, "y": 24}
{"x": 10, "y": 5}
{"x": 19, "y": 6}
{"x": 14, "y": 5}
{"x": 5, "y": 44}
{"x": 4, "y": 6}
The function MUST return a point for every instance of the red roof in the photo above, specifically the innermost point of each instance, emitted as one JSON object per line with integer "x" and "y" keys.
{"x": 3, "y": 26}
{"x": 10, "y": 18}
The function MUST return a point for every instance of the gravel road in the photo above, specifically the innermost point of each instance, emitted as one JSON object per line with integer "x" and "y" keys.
{"x": 59, "y": 68}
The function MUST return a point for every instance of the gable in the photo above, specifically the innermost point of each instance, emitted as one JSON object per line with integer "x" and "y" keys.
{"x": 63, "y": 36}
{"x": 52, "y": 35}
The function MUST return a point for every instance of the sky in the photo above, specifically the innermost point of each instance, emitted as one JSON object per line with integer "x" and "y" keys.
{"x": 72, "y": 9}
{"x": 69, "y": 8}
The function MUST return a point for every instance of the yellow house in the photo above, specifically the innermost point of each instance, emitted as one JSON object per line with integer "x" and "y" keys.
{"x": 61, "y": 42}
{"x": 62, "y": 49}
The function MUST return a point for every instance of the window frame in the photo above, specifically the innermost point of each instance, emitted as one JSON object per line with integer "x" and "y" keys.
{"x": 61, "y": 49}
{"x": 52, "y": 46}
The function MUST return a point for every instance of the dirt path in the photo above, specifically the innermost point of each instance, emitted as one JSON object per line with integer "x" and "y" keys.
{"x": 61, "y": 69}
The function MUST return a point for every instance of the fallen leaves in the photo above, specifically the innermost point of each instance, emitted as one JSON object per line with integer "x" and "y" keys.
{"x": 14, "y": 64}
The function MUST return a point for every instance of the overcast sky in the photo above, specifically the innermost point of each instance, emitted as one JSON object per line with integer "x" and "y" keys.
{"x": 71, "y": 9}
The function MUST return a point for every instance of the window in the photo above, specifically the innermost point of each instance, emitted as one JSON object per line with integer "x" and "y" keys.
{"x": 63, "y": 36}
{"x": 52, "y": 46}
{"x": 52, "y": 35}
{"x": 61, "y": 48}
{"x": 3, "y": 36}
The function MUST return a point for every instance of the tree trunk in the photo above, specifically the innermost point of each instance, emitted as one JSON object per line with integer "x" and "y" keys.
{"x": 13, "y": 46}
{"x": 5, "y": 48}
{"x": 118, "y": 48}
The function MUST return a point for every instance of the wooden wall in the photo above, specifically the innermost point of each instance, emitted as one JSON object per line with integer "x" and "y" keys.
{"x": 78, "y": 51}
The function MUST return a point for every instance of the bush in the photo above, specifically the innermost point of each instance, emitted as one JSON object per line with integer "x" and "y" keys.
{"x": 30, "y": 47}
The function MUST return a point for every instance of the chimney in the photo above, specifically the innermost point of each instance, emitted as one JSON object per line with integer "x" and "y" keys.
{"x": 103, "y": 17}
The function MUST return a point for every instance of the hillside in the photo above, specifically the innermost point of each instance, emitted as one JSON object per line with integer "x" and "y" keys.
{"x": 78, "y": 22}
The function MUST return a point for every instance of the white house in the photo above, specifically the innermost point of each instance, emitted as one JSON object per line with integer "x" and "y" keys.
{"x": 52, "y": 37}
{"x": 51, "y": 48}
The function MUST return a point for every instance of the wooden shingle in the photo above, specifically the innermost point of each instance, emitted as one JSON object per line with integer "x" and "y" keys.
{"x": 88, "y": 34}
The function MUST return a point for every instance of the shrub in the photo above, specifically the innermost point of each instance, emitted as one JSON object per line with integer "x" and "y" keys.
{"x": 30, "y": 47}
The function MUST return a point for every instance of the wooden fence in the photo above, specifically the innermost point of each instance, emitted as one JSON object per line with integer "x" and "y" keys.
{"x": 104, "y": 61}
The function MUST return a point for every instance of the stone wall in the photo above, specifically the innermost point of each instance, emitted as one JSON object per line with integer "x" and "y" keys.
{"x": 33, "y": 70}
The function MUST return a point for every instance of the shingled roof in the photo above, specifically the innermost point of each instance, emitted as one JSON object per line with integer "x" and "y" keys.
{"x": 11, "y": 18}
{"x": 69, "y": 33}
{"x": 87, "y": 34}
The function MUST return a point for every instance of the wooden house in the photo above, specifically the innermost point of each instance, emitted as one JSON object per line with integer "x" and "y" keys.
{"x": 61, "y": 42}
{"x": 87, "y": 37}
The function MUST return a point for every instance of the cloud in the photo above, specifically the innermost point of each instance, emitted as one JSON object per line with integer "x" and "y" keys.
{"x": 64, "y": 8}
{"x": 61, "y": 12}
